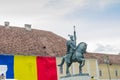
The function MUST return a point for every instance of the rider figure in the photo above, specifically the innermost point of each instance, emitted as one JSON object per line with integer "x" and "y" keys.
{"x": 70, "y": 48}
{"x": 70, "y": 44}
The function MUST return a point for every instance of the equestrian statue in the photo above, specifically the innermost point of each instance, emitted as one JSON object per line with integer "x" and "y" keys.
{"x": 74, "y": 53}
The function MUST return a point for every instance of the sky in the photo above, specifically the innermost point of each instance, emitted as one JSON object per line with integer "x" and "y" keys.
{"x": 97, "y": 21}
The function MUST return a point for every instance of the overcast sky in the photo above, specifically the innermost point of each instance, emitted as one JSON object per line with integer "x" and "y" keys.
{"x": 97, "y": 21}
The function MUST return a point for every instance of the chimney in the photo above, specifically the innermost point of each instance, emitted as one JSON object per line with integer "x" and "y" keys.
{"x": 28, "y": 27}
{"x": 6, "y": 24}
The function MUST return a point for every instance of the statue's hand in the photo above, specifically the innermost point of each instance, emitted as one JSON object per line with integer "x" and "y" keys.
{"x": 74, "y": 48}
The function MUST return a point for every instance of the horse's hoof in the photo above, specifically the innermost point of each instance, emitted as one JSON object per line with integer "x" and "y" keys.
{"x": 59, "y": 65}
{"x": 68, "y": 74}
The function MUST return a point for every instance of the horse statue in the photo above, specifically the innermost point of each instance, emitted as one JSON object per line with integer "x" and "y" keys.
{"x": 77, "y": 56}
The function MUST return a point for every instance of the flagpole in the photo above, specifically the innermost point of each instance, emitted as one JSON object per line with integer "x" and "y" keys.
{"x": 74, "y": 35}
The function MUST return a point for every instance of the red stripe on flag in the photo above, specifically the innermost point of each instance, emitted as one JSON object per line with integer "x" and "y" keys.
{"x": 46, "y": 68}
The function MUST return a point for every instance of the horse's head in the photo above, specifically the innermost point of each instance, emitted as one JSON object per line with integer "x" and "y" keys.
{"x": 82, "y": 46}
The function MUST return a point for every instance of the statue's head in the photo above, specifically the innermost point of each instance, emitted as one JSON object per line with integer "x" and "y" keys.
{"x": 71, "y": 37}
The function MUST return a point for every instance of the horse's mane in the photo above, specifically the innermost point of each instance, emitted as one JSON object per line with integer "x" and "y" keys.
{"x": 79, "y": 45}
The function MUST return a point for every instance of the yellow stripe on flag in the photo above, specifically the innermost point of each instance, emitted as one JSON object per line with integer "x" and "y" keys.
{"x": 25, "y": 68}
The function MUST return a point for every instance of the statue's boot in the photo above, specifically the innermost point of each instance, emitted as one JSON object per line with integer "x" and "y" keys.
{"x": 67, "y": 59}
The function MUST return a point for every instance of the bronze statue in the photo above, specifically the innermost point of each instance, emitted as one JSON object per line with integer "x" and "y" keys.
{"x": 70, "y": 48}
{"x": 74, "y": 54}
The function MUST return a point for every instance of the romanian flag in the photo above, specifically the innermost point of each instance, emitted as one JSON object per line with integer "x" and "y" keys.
{"x": 29, "y": 67}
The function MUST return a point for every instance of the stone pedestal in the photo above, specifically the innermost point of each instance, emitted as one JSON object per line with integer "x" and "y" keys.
{"x": 76, "y": 77}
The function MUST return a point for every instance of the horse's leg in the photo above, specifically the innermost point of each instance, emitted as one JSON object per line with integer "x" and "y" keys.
{"x": 67, "y": 68}
{"x": 62, "y": 62}
{"x": 80, "y": 67}
{"x": 83, "y": 63}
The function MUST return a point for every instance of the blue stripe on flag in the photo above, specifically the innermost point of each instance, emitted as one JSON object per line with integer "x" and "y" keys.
{"x": 9, "y": 61}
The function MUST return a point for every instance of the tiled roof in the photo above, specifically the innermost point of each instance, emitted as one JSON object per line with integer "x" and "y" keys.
{"x": 113, "y": 59}
{"x": 15, "y": 40}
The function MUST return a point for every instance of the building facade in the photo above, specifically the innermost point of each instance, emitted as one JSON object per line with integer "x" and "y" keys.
{"x": 96, "y": 67}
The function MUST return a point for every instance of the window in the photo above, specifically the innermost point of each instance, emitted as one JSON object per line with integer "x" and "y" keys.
{"x": 100, "y": 73}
